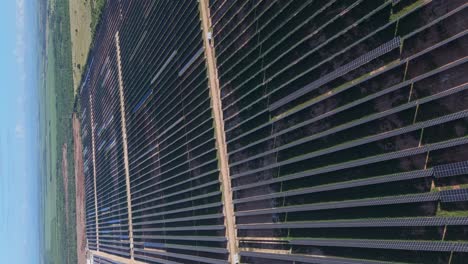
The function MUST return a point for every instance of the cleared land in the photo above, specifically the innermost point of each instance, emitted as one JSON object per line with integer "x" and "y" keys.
{"x": 65, "y": 181}
{"x": 80, "y": 192}
{"x": 115, "y": 258}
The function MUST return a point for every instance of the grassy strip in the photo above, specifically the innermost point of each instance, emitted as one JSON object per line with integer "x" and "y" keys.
{"x": 406, "y": 10}
{"x": 97, "y": 6}
{"x": 444, "y": 213}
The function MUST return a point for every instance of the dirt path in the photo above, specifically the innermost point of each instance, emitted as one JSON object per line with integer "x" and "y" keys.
{"x": 65, "y": 180}
{"x": 125, "y": 148}
{"x": 115, "y": 258}
{"x": 220, "y": 134}
{"x": 80, "y": 193}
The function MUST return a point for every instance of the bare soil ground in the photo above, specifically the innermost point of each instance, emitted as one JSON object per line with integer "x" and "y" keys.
{"x": 80, "y": 192}
{"x": 115, "y": 258}
{"x": 65, "y": 179}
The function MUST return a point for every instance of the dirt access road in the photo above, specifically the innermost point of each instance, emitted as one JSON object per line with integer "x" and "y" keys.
{"x": 220, "y": 134}
{"x": 80, "y": 192}
{"x": 65, "y": 180}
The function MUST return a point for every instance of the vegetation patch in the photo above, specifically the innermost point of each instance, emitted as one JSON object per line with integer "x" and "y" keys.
{"x": 407, "y": 9}
{"x": 56, "y": 128}
{"x": 97, "y": 6}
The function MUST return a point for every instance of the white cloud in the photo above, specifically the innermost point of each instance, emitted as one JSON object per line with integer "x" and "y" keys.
{"x": 20, "y": 54}
{"x": 19, "y": 131}
{"x": 20, "y": 50}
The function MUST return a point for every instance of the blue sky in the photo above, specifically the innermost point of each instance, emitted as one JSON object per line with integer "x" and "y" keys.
{"x": 19, "y": 173}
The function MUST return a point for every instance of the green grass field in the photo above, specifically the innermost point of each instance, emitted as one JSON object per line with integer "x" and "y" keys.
{"x": 84, "y": 19}
{"x": 80, "y": 26}
{"x": 55, "y": 130}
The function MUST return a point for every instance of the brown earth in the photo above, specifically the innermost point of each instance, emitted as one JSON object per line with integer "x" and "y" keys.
{"x": 65, "y": 179}
{"x": 80, "y": 194}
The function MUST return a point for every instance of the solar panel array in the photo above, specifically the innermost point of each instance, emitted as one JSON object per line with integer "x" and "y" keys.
{"x": 174, "y": 176}
{"x": 104, "y": 142}
{"x": 345, "y": 125}
{"x": 89, "y": 178}
{"x": 341, "y": 118}
{"x": 148, "y": 94}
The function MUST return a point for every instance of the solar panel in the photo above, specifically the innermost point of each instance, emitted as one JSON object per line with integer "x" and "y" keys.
{"x": 371, "y": 55}
{"x": 297, "y": 258}
{"x": 338, "y": 186}
{"x": 449, "y": 196}
{"x": 386, "y": 244}
{"x": 359, "y": 223}
{"x": 451, "y": 169}
{"x": 402, "y": 199}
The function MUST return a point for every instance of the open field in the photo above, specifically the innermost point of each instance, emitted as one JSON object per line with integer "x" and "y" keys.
{"x": 55, "y": 130}
{"x": 80, "y": 31}
{"x": 84, "y": 18}
{"x": 49, "y": 149}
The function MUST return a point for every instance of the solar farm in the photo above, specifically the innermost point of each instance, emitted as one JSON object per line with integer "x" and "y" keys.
{"x": 232, "y": 131}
